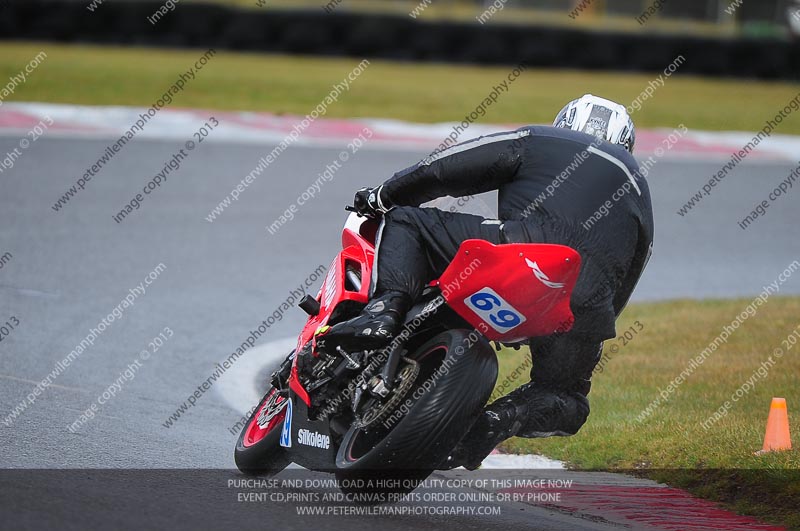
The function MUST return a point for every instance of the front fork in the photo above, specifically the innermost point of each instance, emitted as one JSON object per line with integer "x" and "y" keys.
{"x": 280, "y": 378}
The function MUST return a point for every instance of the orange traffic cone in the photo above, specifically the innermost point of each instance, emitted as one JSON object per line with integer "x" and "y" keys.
{"x": 777, "y": 435}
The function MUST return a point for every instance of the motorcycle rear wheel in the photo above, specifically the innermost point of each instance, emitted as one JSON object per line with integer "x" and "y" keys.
{"x": 460, "y": 370}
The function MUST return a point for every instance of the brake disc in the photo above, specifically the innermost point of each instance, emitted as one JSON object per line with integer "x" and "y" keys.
{"x": 271, "y": 408}
{"x": 407, "y": 376}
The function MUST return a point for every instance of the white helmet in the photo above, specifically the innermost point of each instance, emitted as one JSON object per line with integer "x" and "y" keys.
{"x": 599, "y": 117}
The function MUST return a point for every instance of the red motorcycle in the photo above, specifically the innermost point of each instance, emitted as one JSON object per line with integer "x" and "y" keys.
{"x": 404, "y": 408}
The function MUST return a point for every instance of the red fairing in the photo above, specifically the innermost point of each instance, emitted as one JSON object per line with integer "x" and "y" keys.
{"x": 513, "y": 291}
{"x": 357, "y": 251}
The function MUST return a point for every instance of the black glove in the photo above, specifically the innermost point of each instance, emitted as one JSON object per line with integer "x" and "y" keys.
{"x": 369, "y": 202}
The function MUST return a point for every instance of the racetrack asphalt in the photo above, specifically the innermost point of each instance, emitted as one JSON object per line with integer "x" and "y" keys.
{"x": 69, "y": 269}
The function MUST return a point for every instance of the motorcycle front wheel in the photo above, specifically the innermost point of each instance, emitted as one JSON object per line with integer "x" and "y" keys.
{"x": 258, "y": 451}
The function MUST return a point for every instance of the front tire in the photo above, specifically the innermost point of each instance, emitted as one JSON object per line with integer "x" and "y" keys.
{"x": 460, "y": 371}
{"x": 258, "y": 451}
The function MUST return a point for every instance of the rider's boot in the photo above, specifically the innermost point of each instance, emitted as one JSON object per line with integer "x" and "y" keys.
{"x": 499, "y": 421}
{"x": 375, "y": 326}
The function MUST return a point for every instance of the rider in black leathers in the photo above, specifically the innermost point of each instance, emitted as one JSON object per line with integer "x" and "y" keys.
{"x": 575, "y": 184}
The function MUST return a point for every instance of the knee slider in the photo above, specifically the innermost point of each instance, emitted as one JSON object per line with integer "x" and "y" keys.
{"x": 577, "y": 413}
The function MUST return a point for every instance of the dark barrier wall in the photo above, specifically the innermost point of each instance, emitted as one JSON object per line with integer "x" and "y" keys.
{"x": 357, "y": 34}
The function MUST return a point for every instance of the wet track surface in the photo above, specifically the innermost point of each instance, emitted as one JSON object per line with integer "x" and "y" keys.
{"x": 69, "y": 269}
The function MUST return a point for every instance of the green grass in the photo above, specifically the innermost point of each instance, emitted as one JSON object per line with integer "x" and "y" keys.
{"x": 406, "y": 91}
{"x": 671, "y": 445}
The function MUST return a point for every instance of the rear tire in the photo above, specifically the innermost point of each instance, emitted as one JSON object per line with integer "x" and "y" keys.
{"x": 435, "y": 422}
{"x": 260, "y": 453}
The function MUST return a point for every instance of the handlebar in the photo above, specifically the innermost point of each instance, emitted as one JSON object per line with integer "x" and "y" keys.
{"x": 374, "y": 217}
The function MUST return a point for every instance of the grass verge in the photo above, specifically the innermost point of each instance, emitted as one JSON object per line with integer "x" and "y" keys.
{"x": 93, "y": 75}
{"x": 671, "y": 444}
